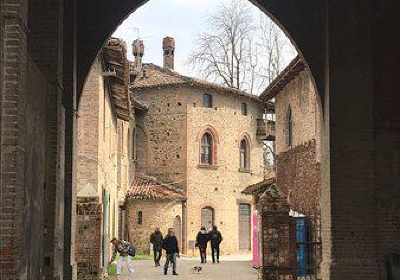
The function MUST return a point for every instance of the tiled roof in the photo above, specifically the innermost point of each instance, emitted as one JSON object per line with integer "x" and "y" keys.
{"x": 155, "y": 76}
{"x": 117, "y": 68}
{"x": 295, "y": 67}
{"x": 259, "y": 187}
{"x": 146, "y": 187}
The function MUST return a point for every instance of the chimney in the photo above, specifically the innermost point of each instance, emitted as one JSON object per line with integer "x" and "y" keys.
{"x": 138, "y": 52}
{"x": 169, "y": 49}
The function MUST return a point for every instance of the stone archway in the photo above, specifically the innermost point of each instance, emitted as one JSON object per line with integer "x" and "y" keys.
{"x": 352, "y": 53}
{"x": 302, "y": 21}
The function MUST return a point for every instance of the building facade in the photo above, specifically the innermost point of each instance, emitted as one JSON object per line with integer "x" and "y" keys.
{"x": 103, "y": 156}
{"x": 200, "y": 138}
{"x": 289, "y": 205}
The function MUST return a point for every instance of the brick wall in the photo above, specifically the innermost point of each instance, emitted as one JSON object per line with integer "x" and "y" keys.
{"x": 88, "y": 238}
{"x": 12, "y": 137}
{"x": 102, "y": 161}
{"x": 299, "y": 177}
{"x": 161, "y": 135}
{"x": 300, "y": 95}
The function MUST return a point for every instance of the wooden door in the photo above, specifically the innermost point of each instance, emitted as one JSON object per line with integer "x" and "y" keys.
{"x": 244, "y": 227}
{"x": 178, "y": 229}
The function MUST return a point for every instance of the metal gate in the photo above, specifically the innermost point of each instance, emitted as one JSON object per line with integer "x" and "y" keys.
{"x": 291, "y": 245}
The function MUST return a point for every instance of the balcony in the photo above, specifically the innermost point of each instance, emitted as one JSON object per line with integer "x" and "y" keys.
{"x": 266, "y": 130}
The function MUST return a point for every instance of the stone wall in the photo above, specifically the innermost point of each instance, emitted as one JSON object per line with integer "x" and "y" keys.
{"x": 298, "y": 165}
{"x": 220, "y": 186}
{"x": 300, "y": 95}
{"x": 155, "y": 214}
{"x": 168, "y": 148}
{"x": 161, "y": 135}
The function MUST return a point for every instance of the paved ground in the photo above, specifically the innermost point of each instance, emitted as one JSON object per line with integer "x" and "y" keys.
{"x": 230, "y": 268}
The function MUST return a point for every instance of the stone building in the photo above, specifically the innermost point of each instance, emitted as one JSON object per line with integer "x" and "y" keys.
{"x": 46, "y": 50}
{"x": 295, "y": 212}
{"x": 152, "y": 204}
{"x": 200, "y": 138}
{"x": 102, "y": 159}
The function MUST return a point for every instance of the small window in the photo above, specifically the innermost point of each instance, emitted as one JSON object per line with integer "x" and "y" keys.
{"x": 244, "y": 109}
{"x": 244, "y": 155}
{"x": 207, "y": 100}
{"x": 206, "y": 149}
{"x": 140, "y": 218}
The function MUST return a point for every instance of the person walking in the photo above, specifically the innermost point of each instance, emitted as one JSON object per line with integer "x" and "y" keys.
{"x": 123, "y": 248}
{"x": 171, "y": 247}
{"x": 201, "y": 242}
{"x": 216, "y": 239}
{"x": 156, "y": 238}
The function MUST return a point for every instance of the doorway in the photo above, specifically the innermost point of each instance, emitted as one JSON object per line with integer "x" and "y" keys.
{"x": 244, "y": 227}
{"x": 207, "y": 217}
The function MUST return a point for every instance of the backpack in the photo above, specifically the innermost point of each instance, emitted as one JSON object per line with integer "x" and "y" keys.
{"x": 132, "y": 251}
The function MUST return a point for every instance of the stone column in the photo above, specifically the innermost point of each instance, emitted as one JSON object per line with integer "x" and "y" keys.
{"x": 348, "y": 202}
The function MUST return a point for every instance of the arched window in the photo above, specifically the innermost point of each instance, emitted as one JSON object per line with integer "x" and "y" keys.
{"x": 206, "y": 149}
{"x": 140, "y": 218}
{"x": 289, "y": 127}
{"x": 207, "y": 100}
{"x": 244, "y": 156}
{"x": 244, "y": 109}
{"x": 207, "y": 217}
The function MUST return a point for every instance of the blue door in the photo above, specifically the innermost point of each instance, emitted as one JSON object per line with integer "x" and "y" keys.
{"x": 302, "y": 246}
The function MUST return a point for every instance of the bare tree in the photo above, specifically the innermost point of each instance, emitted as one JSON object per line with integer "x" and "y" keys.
{"x": 238, "y": 52}
{"x": 273, "y": 46}
{"x": 223, "y": 54}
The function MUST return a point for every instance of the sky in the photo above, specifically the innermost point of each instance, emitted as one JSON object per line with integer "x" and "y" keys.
{"x": 181, "y": 19}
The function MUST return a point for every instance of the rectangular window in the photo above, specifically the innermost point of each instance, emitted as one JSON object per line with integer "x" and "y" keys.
{"x": 207, "y": 100}
{"x": 140, "y": 218}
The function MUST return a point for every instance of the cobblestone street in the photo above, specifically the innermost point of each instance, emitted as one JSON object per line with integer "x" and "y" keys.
{"x": 227, "y": 269}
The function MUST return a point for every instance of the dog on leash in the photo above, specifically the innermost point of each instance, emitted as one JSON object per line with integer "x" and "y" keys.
{"x": 196, "y": 269}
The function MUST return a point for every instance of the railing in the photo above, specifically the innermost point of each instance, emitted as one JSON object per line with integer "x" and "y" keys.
{"x": 266, "y": 129}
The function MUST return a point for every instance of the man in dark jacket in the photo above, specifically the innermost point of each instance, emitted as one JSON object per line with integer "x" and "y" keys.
{"x": 201, "y": 242}
{"x": 156, "y": 238}
{"x": 170, "y": 245}
{"x": 216, "y": 239}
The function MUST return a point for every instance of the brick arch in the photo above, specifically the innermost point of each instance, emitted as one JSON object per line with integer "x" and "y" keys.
{"x": 302, "y": 21}
{"x": 210, "y": 129}
{"x": 215, "y": 143}
{"x": 247, "y": 137}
